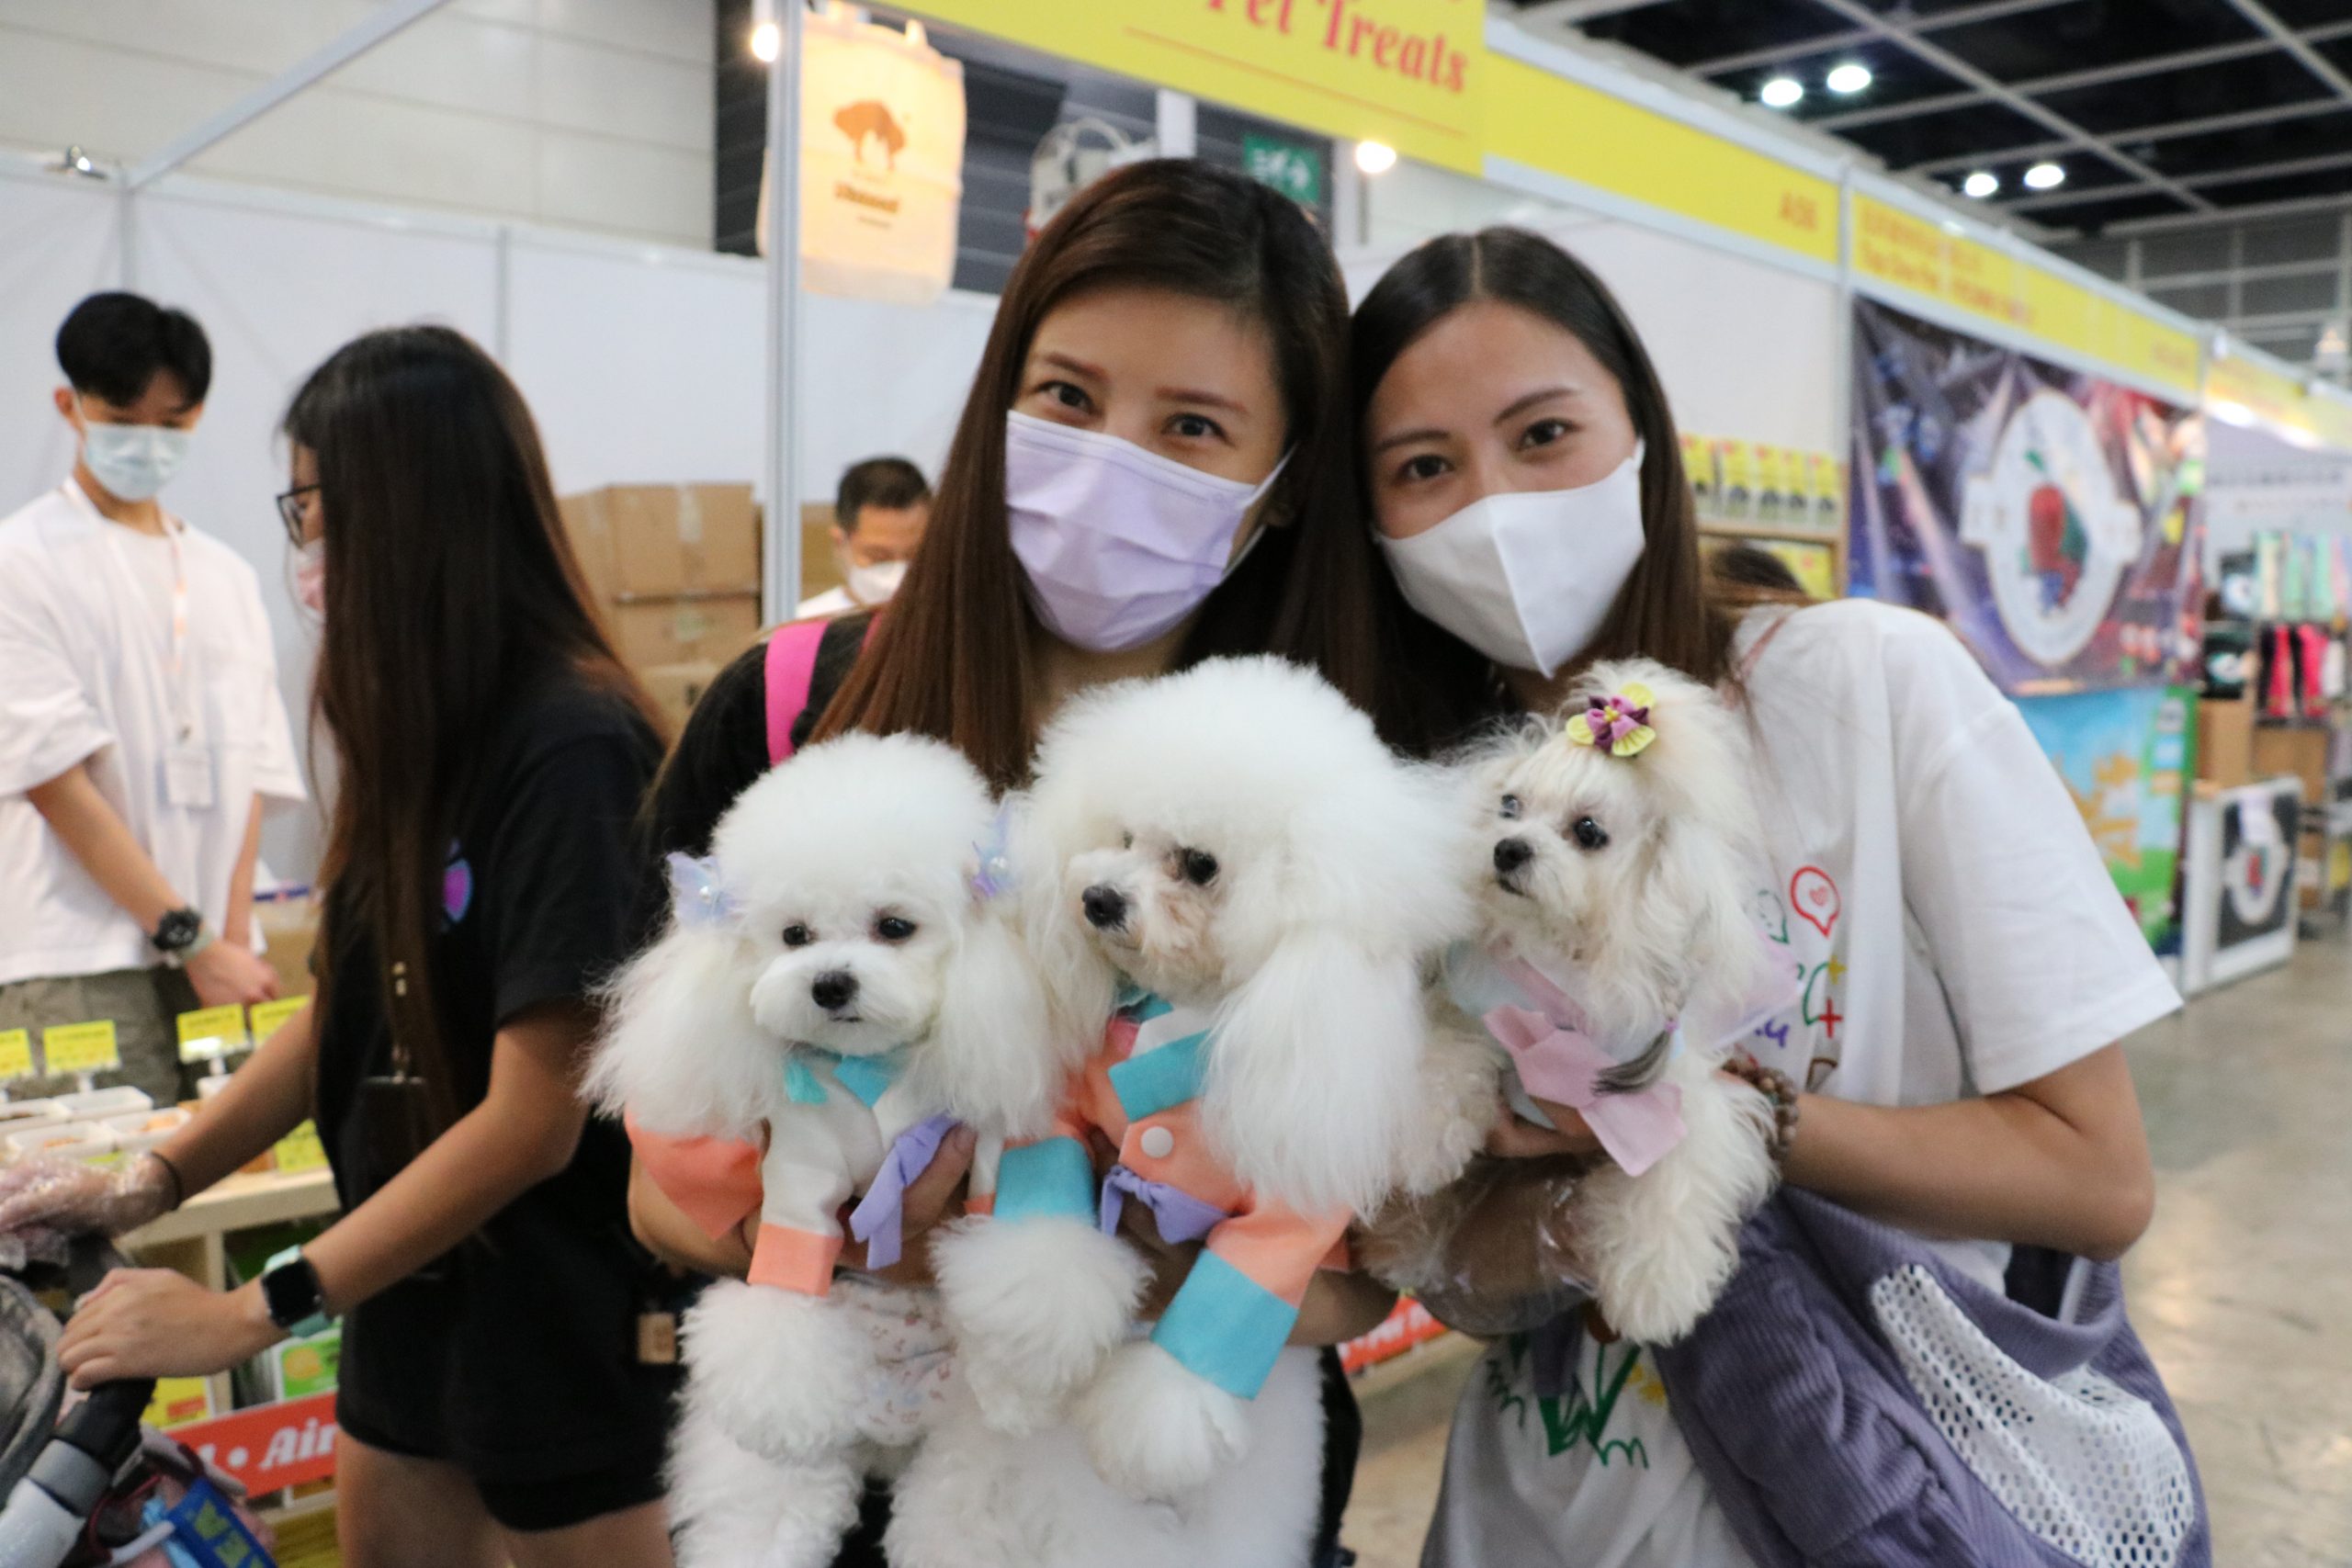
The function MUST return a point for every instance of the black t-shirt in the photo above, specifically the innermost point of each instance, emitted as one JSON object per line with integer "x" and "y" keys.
{"x": 515, "y": 1356}
{"x": 723, "y": 752}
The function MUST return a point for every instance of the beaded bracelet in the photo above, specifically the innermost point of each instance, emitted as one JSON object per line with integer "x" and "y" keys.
{"x": 1774, "y": 1085}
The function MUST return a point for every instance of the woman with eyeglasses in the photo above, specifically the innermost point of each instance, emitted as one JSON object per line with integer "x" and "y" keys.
{"x": 500, "y": 1401}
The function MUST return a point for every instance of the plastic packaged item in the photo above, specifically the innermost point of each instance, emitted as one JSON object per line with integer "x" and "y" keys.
{"x": 141, "y": 1130}
{"x": 90, "y": 1105}
{"x": 15, "y": 1115}
{"x": 1495, "y": 1253}
{"x": 61, "y": 1140}
{"x": 49, "y": 1194}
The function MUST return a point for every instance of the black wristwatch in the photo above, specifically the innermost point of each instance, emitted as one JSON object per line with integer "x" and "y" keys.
{"x": 290, "y": 1289}
{"x": 176, "y": 933}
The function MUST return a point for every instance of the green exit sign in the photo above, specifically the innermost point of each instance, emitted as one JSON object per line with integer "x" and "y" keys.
{"x": 1293, "y": 170}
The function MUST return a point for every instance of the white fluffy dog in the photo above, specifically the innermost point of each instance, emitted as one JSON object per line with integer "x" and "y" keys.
{"x": 1249, "y": 885}
{"x": 1617, "y": 962}
{"x": 835, "y": 977}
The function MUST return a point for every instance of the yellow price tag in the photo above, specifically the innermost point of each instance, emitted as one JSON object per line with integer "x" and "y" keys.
{"x": 211, "y": 1031}
{"x": 81, "y": 1047}
{"x": 301, "y": 1149}
{"x": 270, "y": 1017}
{"x": 178, "y": 1400}
{"x": 16, "y": 1054}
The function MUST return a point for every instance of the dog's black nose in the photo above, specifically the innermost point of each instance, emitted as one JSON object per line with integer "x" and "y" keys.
{"x": 1106, "y": 907}
{"x": 834, "y": 990}
{"x": 1512, "y": 854}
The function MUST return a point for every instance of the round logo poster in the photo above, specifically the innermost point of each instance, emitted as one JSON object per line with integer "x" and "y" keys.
{"x": 2056, "y": 534}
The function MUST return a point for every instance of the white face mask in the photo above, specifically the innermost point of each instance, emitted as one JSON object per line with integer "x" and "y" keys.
{"x": 871, "y": 585}
{"x": 132, "y": 461}
{"x": 1526, "y": 578}
{"x": 310, "y": 576}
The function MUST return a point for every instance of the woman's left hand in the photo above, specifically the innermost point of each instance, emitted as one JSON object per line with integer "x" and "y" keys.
{"x": 1513, "y": 1137}
{"x": 150, "y": 1323}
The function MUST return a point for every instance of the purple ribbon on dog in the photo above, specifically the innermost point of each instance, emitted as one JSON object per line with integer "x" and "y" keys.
{"x": 1181, "y": 1216}
{"x": 877, "y": 1221}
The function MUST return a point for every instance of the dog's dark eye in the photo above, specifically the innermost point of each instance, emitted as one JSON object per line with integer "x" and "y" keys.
{"x": 893, "y": 928}
{"x": 1511, "y": 808}
{"x": 1200, "y": 867}
{"x": 798, "y": 936}
{"x": 1590, "y": 834}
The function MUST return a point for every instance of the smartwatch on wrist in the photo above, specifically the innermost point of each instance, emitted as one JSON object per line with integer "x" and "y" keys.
{"x": 290, "y": 1288}
{"x": 178, "y": 935}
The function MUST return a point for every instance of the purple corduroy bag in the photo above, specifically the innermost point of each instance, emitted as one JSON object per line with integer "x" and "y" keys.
{"x": 1855, "y": 1402}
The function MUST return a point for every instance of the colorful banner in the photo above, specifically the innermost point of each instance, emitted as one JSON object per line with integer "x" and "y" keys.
{"x": 270, "y": 1447}
{"x": 2051, "y": 517}
{"x": 2124, "y": 755}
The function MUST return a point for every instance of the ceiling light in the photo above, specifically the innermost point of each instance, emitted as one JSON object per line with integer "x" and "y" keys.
{"x": 2045, "y": 176}
{"x": 767, "y": 42}
{"x": 1780, "y": 92}
{"x": 1849, "y": 78}
{"x": 1376, "y": 157}
{"x": 1980, "y": 184}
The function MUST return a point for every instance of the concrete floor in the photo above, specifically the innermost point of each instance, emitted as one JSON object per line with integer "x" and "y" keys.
{"x": 2240, "y": 1289}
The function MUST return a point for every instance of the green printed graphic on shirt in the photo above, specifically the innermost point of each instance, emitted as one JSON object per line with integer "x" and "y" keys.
{"x": 1578, "y": 1418}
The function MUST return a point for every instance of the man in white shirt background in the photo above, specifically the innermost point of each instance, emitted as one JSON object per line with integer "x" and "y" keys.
{"x": 879, "y": 512}
{"x": 141, "y": 724}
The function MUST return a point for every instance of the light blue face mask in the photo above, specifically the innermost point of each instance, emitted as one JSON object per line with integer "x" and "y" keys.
{"x": 134, "y": 462}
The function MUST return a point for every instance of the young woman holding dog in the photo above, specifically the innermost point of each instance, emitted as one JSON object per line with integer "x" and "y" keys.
{"x": 491, "y": 753}
{"x": 1169, "y": 357}
{"x": 1970, "y": 967}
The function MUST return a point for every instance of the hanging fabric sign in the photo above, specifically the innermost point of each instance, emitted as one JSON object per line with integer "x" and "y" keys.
{"x": 2051, "y": 517}
{"x": 881, "y": 161}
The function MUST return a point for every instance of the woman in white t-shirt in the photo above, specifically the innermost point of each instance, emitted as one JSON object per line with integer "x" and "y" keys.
{"x": 1967, "y": 965}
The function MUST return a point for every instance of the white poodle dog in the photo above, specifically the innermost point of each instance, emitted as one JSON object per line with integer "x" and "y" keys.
{"x": 1617, "y": 963}
{"x": 1249, "y": 885}
{"x": 838, "y": 982}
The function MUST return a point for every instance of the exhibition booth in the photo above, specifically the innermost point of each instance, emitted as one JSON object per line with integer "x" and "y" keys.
{"x": 2143, "y": 531}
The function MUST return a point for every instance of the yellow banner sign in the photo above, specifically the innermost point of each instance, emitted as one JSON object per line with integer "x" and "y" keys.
{"x": 81, "y": 1047}
{"x": 1928, "y": 258}
{"x": 2244, "y": 390}
{"x": 16, "y": 1054}
{"x": 268, "y": 1018}
{"x": 1565, "y": 128}
{"x": 1404, "y": 72}
{"x": 211, "y": 1031}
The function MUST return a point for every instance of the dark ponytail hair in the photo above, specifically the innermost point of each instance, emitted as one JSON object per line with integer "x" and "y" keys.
{"x": 451, "y": 588}
{"x": 1671, "y": 609}
{"x": 950, "y": 658}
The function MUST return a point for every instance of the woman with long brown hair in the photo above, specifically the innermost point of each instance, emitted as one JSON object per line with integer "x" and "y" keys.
{"x": 1952, "y": 1067}
{"x": 1153, "y": 468}
{"x": 491, "y": 755}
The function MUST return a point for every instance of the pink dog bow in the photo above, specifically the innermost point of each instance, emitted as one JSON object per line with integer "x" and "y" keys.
{"x": 1559, "y": 1061}
{"x": 1618, "y": 724}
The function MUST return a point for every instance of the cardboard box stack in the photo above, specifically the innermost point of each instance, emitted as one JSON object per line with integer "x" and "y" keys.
{"x": 676, "y": 569}
{"x": 2225, "y": 742}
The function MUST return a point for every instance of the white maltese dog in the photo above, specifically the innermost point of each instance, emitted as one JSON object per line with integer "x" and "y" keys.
{"x": 1249, "y": 887}
{"x": 1617, "y": 963}
{"x": 839, "y": 984}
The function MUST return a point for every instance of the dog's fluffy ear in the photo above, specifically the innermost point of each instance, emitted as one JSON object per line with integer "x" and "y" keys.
{"x": 994, "y": 1057}
{"x": 1314, "y": 1073}
{"x": 1046, "y": 832}
{"x": 681, "y": 1051}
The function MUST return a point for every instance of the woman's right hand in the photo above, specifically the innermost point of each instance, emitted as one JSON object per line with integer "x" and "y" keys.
{"x": 67, "y": 1198}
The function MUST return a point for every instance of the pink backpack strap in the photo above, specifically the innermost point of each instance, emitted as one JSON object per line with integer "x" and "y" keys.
{"x": 791, "y": 671}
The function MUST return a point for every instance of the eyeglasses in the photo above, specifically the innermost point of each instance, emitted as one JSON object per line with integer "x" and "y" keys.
{"x": 292, "y": 511}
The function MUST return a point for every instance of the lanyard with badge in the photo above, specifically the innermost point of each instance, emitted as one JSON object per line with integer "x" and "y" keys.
{"x": 186, "y": 763}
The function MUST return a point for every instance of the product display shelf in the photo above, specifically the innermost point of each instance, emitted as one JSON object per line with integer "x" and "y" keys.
{"x": 191, "y": 1239}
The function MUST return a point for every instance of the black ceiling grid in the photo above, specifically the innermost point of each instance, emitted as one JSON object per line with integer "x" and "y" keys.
{"x": 2154, "y": 108}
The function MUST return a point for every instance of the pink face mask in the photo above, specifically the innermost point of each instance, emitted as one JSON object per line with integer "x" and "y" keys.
{"x": 1119, "y": 543}
{"x": 310, "y": 577}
